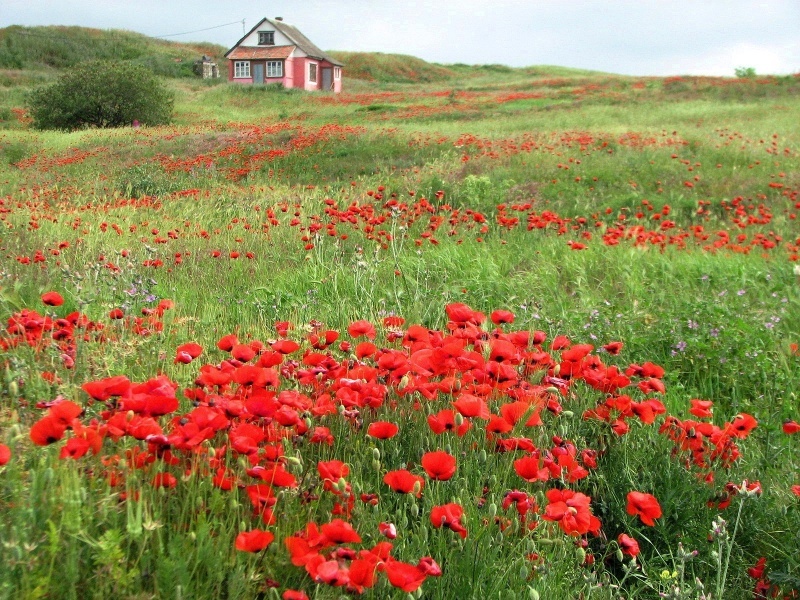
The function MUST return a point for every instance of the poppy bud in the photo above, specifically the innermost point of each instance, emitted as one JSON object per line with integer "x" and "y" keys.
{"x": 341, "y": 485}
{"x": 415, "y": 510}
{"x": 129, "y": 416}
{"x": 13, "y": 388}
{"x": 620, "y": 556}
{"x": 376, "y": 465}
{"x": 581, "y": 554}
{"x": 492, "y": 510}
{"x": 523, "y": 572}
{"x": 557, "y": 370}
{"x": 533, "y": 594}
{"x": 417, "y": 487}
{"x": 568, "y": 413}
{"x": 376, "y": 454}
{"x": 482, "y": 455}
{"x": 458, "y": 419}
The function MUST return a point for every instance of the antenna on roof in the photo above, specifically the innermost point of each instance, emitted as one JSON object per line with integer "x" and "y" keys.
{"x": 279, "y": 18}
{"x": 243, "y": 30}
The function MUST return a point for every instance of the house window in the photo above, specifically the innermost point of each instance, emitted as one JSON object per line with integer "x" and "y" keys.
{"x": 312, "y": 72}
{"x": 337, "y": 72}
{"x": 241, "y": 69}
{"x": 266, "y": 38}
{"x": 274, "y": 68}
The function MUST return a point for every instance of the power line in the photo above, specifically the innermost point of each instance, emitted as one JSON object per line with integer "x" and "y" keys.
{"x": 198, "y": 30}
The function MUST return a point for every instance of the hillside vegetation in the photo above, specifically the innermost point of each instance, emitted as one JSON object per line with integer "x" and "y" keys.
{"x": 56, "y": 47}
{"x": 40, "y": 51}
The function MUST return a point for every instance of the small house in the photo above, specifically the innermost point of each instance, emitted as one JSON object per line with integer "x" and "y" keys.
{"x": 274, "y": 52}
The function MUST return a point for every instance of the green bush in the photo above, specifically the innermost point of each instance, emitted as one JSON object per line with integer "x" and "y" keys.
{"x": 101, "y": 94}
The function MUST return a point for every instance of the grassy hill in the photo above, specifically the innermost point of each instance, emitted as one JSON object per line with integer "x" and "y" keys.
{"x": 55, "y": 48}
{"x": 40, "y": 51}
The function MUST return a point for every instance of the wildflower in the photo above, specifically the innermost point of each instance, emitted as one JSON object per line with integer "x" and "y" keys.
{"x": 405, "y": 482}
{"x": 439, "y": 465}
{"x": 645, "y": 506}
{"x": 449, "y": 515}
{"x": 628, "y": 545}
{"x": 52, "y": 299}
{"x": 404, "y": 576}
{"x": 5, "y": 454}
{"x": 572, "y": 512}
{"x": 382, "y": 430}
{"x": 254, "y": 541}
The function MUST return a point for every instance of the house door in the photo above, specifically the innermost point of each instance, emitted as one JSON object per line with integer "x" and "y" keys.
{"x": 327, "y": 78}
{"x": 258, "y": 72}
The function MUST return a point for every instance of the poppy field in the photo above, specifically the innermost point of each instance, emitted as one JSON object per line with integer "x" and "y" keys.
{"x": 534, "y": 336}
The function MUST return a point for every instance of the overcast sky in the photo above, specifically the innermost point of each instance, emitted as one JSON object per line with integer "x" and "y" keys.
{"x": 641, "y": 37}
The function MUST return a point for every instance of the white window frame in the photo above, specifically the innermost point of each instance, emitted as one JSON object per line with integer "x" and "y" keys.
{"x": 241, "y": 69}
{"x": 266, "y": 38}
{"x": 337, "y": 72}
{"x": 312, "y": 72}
{"x": 274, "y": 68}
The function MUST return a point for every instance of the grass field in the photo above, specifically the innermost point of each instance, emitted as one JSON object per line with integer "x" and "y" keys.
{"x": 495, "y": 333}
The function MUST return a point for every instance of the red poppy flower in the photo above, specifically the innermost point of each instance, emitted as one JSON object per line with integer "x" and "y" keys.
{"x": 242, "y": 352}
{"x": 702, "y": 409}
{"x": 331, "y": 471}
{"x": 47, "y": 430}
{"x": 405, "y": 482}
{"x": 645, "y": 506}
{"x": 444, "y": 420}
{"x": 572, "y": 512}
{"x": 285, "y": 346}
{"x": 613, "y": 348}
{"x": 757, "y": 570}
{"x": 429, "y": 566}
{"x": 294, "y": 595}
{"x": 741, "y": 425}
{"x": 116, "y": 313}
{"x": 52, "y": 299}
{"x": 790, "y": 427}
{"x": 339, "y": 531}
{"x": 102, "y": 390}
{"x": 439, "y": 465}
{"x": 254, "y": 541}
{"x": 365, "y": 349}
{"x": 404, "y": 576}
{"x": 472, "y": 406}
{"x": 796, "y": 490}
{"x": 5, "y": 454}
{"x": 382, "y": 430}
{"x": 449, "y": 515}
{"x": 226, "y": 343}
{"x": 628, "y": 545}
{"x": 502, "y": 316}
{"x": 531, "y": 469}
{"x": 388, "y": 529}
{"x": 359, "y": 328}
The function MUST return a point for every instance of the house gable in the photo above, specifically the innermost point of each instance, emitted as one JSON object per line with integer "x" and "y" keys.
{"x": 302, "y": 63}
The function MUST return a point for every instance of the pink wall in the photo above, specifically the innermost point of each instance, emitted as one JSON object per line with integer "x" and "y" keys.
{"x": 295, "y": 72}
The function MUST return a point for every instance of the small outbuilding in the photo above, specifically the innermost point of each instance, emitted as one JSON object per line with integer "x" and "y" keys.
{"x": 275, "y": 52}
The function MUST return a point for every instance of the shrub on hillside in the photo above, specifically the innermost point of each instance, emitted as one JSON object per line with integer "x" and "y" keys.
{"x": 101, "y": 94}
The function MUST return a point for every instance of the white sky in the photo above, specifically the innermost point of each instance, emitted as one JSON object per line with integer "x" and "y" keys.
{"x": 635, "y": 37}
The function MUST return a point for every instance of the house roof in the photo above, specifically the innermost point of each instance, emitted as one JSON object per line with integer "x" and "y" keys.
{"x": 260, "y": 52}
{"x": 291, "y": 32}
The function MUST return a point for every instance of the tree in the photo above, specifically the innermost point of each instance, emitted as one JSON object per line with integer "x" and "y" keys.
{"x": 101, "y": 94}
